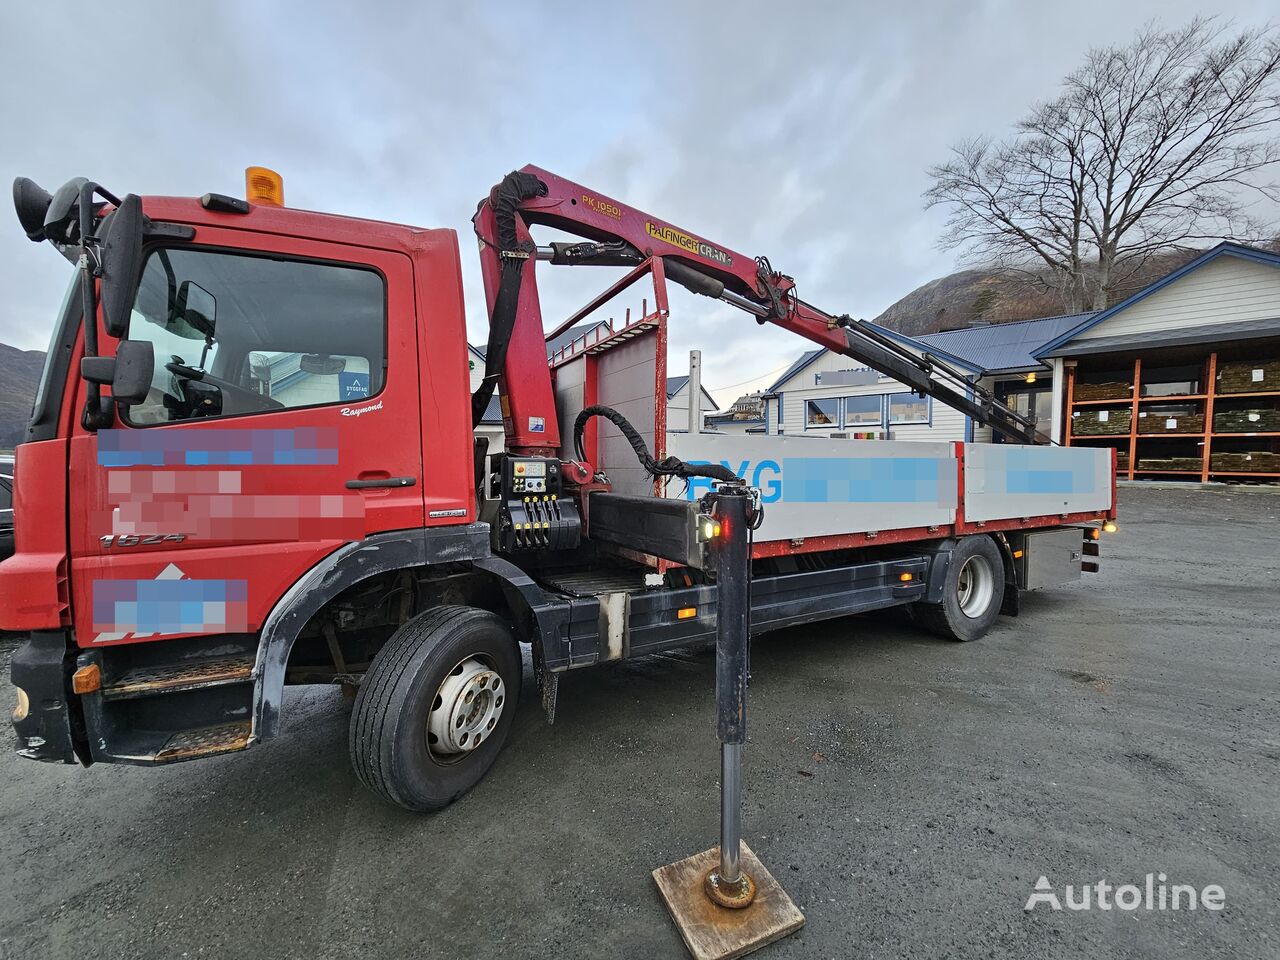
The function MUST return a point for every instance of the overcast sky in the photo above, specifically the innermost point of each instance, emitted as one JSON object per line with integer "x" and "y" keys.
{"x": 796, "y": 130}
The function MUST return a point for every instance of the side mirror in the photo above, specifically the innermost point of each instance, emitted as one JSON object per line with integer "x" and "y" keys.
{"x": 62, "y": 215}
{"x": 198, "y": 308}
{"x": 121, "y": 262}
{"x": 321, "y": 364}
{"x": 32, "y": 203}
{"x": 128, "y": 373}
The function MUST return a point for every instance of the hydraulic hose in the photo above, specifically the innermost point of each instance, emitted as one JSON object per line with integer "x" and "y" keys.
{"x": 669, "y": 467}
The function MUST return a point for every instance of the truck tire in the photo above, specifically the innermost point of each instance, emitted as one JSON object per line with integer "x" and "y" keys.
{"x": 972, "y": 594}
{"x": 435, "y": 707}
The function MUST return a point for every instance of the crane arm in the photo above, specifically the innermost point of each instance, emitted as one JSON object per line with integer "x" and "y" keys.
{"x": 615, "y": 235}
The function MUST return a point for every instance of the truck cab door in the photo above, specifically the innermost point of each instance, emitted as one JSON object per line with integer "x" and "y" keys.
{"x": 283, "y": 421}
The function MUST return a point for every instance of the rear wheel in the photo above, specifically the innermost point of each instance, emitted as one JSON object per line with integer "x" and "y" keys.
{"x": 972, "y": 594}
{"x": 435, "y": 707}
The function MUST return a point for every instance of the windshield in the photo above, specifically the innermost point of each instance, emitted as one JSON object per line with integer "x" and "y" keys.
{"x": 45, "y": 407}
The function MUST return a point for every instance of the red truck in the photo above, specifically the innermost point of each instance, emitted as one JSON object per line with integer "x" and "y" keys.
{"x": 257, "y": 465}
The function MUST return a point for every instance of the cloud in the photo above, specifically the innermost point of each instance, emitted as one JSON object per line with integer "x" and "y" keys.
{"x": 800, "y": 131}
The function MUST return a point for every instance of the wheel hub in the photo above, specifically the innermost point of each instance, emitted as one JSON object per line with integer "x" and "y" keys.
{"x": 975, "y": 586}
{"x": 466, "y": 709}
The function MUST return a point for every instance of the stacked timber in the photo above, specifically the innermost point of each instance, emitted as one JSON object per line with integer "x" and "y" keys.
{"x": 1249, "y": 376}
{"x": 1112, "y": 390}
{"x": 1260, "y": 420}
{"x": 1101, "y": 423}
{"x": 1170, "y": 463}
{"x": 1253, "y": 461}
{"x": 1165, "y": 423}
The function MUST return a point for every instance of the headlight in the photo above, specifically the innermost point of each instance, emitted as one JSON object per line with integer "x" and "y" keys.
{"x": 24, "y": 706}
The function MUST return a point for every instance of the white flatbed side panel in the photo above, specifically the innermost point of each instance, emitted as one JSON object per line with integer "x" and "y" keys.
{"x": 1004, "y": 481}
{"x": 815, "y": 487}
{"x": 626, "y": 377}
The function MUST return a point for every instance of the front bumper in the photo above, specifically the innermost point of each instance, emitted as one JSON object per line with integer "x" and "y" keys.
{"x": 42, "y": 668}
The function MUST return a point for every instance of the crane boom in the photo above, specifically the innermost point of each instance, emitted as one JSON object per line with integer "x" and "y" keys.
{"x": 617, "y": 235}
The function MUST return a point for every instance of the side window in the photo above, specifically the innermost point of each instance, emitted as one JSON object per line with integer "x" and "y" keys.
{"x": 821, "y": 413}
{"x": 862, "y": 411}
{"x": 235, "y": 334}
{"x": 6, "y": 495}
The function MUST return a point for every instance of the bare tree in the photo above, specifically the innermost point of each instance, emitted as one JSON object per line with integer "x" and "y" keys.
{"x": 1160, "y": 144}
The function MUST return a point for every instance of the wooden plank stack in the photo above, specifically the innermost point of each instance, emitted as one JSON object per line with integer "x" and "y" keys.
{"x": 1256, "y": 420}
{"x": 1099, "y": 423}
{"x": 1250, "y": 461}
{"x": 1249, "y": 376}
{"x": 1170, "y": 423}
{"x": 1113, "y": 390}
{"x": 1169, "y": 463}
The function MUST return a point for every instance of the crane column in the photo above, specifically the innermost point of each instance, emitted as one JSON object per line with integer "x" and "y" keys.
{"x": 728, "y": 885}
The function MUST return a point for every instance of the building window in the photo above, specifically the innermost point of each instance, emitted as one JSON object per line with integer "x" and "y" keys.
{"x": 863, "y": 411}
{"x": 822, "y": 413}
{"x": 908, "y": 408}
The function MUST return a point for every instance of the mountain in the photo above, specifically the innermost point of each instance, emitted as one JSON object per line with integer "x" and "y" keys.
{"x": 19, "y": 376}
{"x": 987, "y": 295}
{"x": 963, "y": 298}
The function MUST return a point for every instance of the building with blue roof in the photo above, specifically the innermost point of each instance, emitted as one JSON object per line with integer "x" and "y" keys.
{"x": 1182, "y": 379}
{"x": 825, "y": 394}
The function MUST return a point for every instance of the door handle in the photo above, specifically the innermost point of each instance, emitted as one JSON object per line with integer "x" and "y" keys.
{"x": 382, "y": 482}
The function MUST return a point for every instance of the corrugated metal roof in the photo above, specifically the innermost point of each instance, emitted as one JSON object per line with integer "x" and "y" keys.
{"x": 493, "y": 412}
{"x": 1005, "y": 346}
{"x": 916, "y": 346}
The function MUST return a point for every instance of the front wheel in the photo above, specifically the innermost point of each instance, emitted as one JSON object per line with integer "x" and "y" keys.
{"x": 972, "y": 594}
{"x": 435, "y": 707}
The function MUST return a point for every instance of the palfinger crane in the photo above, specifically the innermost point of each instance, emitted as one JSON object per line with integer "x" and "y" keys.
{"x": 618, "y": 235}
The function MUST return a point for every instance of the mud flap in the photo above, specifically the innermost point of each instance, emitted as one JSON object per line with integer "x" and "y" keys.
{"x": 1011, "y": 606}
{"x": 548, "y": 683}
{"x": 41, "y": 668}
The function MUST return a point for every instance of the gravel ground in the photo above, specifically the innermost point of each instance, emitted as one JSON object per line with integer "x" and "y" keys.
{"x": 908, "y": 792}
